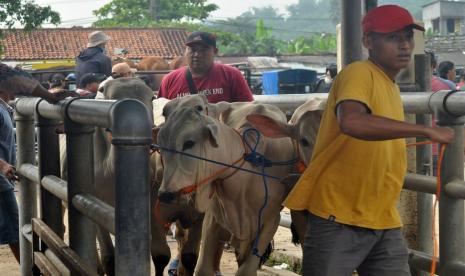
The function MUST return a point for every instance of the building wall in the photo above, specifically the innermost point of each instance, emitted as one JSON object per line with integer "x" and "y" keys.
{"x": 444, "y": 13}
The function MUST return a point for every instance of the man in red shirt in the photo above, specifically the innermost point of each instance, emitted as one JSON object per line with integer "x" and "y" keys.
{"x": 218, "y": 82}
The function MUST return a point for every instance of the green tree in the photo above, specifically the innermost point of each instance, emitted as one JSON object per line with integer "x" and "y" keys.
{"x": 137, "y": 12}
{"x": 26, "y": 13}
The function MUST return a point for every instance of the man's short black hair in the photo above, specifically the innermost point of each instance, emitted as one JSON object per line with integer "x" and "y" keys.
{"x": 444, "y": 68}
{"x": 90, "y": 78}
{"x": 332, "y": 68}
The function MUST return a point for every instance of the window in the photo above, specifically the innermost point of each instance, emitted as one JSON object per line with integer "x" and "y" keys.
{"x": 450, "y": 26}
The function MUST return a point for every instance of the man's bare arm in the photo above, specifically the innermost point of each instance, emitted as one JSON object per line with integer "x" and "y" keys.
{"x": 354, "y": 120}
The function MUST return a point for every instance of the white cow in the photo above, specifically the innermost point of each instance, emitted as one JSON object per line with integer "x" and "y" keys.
{"x": 187, "y": 219}
{"x": 231, "y": 199}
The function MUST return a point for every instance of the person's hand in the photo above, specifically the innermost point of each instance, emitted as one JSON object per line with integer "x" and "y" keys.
{"x": 8, "y": 171}
{"x": 442, "y": 135}
{"x": 60, "y": 95}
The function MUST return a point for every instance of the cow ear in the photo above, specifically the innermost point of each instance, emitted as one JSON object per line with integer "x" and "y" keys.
{"x": 269, "y": 127}
{"x": 169, "y": 108}
{"x": 212, "y": 130}
{"x": 155, "y": 131}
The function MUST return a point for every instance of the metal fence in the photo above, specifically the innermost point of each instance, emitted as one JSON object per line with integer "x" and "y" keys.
{"x": 42, "y": 230}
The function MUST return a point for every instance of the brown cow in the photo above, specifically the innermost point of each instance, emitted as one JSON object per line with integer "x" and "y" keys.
{"x": 152, "y": 64}
{"x": 178, "y": 62}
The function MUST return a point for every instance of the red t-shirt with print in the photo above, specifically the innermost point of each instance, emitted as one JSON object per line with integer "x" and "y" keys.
{"x": 222, "y": 83}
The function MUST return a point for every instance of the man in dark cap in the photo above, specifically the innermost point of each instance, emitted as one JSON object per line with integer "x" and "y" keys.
{"x": 89, "y": 84}
{"x": 353, "y": 182}
{"x": 218, "y": 82}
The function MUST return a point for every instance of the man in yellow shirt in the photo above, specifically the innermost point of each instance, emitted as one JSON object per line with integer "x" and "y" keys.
{"x": 353, "y": 182}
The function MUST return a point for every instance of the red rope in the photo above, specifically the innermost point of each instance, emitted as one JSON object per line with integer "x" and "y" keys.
{"x": 436, "y": 201}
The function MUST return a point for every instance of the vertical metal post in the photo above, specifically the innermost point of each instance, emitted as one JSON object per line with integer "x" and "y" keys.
{"x": 80, "y": 155}
{"x": 49, "y": 164}
{"x": 424, "y": 162}
{"x": 132, "y": 200}
{"x": 451, "y": 212}
{"x": 351, "y": 29}
{"x": 370, "y": 4}
{"x": 25, "y": 139}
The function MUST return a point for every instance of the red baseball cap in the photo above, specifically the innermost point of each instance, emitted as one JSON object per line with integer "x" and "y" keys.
{"x": 388, "y": 19}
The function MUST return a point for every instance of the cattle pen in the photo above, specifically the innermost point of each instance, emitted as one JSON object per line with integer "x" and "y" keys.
{"x": 448, "y": 106}
{"x": 129, "y": 220}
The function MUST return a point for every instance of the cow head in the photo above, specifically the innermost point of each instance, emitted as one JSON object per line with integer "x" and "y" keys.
{"x": 133, "y": 88}
{"x": 186, "y": 130}
{"x": 199, "y": 102}
{"x": 302, "y": 128}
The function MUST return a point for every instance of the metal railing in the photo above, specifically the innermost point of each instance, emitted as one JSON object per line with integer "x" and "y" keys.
{"x": 44, "y": 249}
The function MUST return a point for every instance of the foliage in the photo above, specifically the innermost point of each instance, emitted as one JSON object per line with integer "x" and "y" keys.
{"x": 264, "y": 43}
{"x": 136, "y": 13}
{"x": 26, "y": 13}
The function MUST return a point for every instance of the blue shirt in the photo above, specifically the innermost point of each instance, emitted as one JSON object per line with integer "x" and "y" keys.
{"x": 7, "y": 143}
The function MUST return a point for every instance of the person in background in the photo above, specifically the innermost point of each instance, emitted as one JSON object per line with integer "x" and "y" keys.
{"x": 461, "y": 83}
{"x": 94, "y": 59}
{"x": 353, "y": 182}
{"x": 12, "y": 83}
{"x": 119, "y": 70}
{"x": 217, "y": 81}
{"x": 446, "y": 71}
{"x": 122, "y": 70}
{"x": 70, "y": 82}
{"x": 57, "y": 83}
{"x": 324, "y": 85}
{"x": 89, "y": 85}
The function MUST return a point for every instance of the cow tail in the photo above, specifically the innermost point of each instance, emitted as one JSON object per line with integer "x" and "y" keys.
{"x": 267, "y": 254}
{"x": 295, "y": 235}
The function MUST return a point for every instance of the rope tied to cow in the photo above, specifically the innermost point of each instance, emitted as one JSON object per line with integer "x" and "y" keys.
{"x": 253, "y": 157}
{"x": 436, "y": 201}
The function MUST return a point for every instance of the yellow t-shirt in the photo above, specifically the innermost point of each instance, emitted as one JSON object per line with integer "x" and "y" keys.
{"x": 349, "y": 180}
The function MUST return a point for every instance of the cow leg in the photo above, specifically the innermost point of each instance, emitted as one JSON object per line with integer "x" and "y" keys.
{"x": 250, "y": 265}
{"x": 107, "y": 251}
{"x": 299, "y": 220}
{"x": 210, "y": 238}
{"x": 190, "y": 250}
{"x": 159, "y": 248}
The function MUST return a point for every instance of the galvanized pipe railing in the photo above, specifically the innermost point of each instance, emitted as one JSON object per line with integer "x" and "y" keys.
{"x": 130, "y": 122}
{"x": 27, "y": 188}
{"x": 414, "y": 102}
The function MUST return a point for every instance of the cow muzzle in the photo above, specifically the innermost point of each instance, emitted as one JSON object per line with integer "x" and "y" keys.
{"x": 167, "y": 197}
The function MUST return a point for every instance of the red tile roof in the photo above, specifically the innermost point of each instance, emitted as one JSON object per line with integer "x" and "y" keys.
{"x": 46, "y": 44}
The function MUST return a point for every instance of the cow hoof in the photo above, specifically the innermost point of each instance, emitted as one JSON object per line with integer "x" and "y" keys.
{"x": 189, "y": 260}
{"x": 109, "y": 265}
{"x": 160, "y": 263}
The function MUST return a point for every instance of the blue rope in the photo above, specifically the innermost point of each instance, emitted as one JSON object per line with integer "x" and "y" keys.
{"x": 260, "y": 214}
{"x": 257, "y": 159}
{"x": 156, "y": 146}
